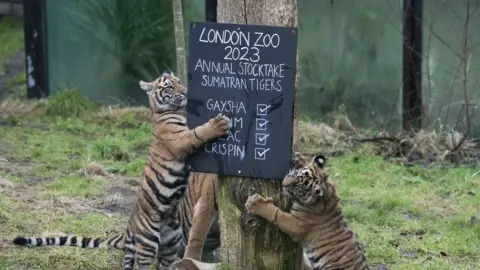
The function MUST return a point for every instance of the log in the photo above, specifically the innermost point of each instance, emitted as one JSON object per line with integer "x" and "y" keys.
{"x": 249, "y": 242}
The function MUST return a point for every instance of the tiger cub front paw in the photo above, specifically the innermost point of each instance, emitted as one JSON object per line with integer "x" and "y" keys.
{"x": 256, "y": 203}
{"x": 298, "y": 160}
{"x": 220, "y": 125}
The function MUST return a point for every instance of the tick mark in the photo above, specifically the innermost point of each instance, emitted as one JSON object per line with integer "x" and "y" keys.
{"x": 261, "y": 124}
{"x": 261, "y": 153}
{"x": 261, "y": 138}
{"x": 262, "y": 109}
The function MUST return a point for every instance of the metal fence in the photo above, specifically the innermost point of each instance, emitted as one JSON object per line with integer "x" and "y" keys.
{"x": 11, "y": 8}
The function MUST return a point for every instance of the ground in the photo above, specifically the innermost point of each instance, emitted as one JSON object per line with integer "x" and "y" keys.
{"x": 78, "y": 174}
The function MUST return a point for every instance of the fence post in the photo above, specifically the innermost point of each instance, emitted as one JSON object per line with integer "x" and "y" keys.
{"x": 35, "y": 48}
{"x": 412, "y": 64}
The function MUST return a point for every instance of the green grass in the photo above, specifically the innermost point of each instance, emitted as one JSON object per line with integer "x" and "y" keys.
{"x": 406, "y": 217}
{"x": 60, "y": 199}
{"x": 17, "y": 85}
{"x": 76, "y": 186}
{"x": 68, "y": 103}
{"x": 398, "y": 214}
{"x": 11, "y": 40}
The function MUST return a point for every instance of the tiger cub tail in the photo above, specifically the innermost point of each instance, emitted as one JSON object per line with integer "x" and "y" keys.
{"x": 117, "y": 241}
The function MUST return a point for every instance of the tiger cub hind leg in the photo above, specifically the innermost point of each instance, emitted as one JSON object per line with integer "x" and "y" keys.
{"x": 202, "y": 220}
{"x": 198, "y": 213}
{"x": 169, "y": 244}
{"x": 140, "y": 250}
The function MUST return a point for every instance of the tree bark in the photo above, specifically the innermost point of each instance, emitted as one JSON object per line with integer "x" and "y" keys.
{"x": 248, "y": 242}
{"x": 179, "y": 39}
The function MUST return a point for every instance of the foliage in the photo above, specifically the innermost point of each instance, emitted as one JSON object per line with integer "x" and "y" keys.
{"x": 11, "y": 40}
{"x": 141, "y": 30}
{"x": 193, "y": 10}
{"x": 68, "y": 103}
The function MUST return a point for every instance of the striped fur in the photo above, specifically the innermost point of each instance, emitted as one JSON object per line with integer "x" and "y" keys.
{"x": 315, "y": 219}
{"x": 154, "y": 230}
{"x": 198, "y": 215}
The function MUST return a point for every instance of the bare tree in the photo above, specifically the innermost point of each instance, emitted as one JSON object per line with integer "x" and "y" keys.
{"x": 179, "y": 39}
{"x": 460, "y": 75}
{"x": 248, "y": 242}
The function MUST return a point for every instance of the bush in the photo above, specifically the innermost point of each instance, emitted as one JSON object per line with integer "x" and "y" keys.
{"x": 68, "y": 103}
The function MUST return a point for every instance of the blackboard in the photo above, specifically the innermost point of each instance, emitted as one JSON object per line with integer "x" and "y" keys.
{"x": 246, "y": 72}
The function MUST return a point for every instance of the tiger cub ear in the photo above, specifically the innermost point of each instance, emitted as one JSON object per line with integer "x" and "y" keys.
{"x": 167, "y": 73}
{"x": 320, "y": 161}
{"x": 145, "y": 86}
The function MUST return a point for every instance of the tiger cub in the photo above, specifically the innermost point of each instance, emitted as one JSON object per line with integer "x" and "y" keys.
{"x": 315, "y": 219}
{"x": 154, "y": 230}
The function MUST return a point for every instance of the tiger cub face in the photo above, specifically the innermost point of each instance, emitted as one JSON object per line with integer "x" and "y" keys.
{"x": 166, "y": 93}
{"x": 307, "y": 182}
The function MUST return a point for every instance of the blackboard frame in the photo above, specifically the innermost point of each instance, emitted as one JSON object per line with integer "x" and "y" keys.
{"x": 262, "y": 103}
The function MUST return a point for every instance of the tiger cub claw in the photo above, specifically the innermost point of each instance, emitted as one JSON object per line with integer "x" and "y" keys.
{"x": 256, "y": 202}
{"x": 221, "y": 125}
{"x": 298, "y": 160}
{"x": 296, "y": 157}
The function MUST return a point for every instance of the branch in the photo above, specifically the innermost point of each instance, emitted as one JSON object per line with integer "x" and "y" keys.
{"x": 428, "y": 93}
{"x": 379, "y": 139}
{"x": 444, "y": 42}
{"x": 464, "y": 60}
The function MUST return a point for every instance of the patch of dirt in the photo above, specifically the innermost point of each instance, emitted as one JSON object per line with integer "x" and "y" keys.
{"x": 410, "y": 216}
{"x": 120, "y": 191}
{"x": 37, "y": 179}
{"x": 415, "y": 233}
{"x": 32, "y": 198}
{"x": 475, "y": 220}
{"x": 65, "y": 205}
{"x": 132, "y": 182}
{"x": 441, "y": 208}
{"x": 382, "y": 267}
{"x": 119, "y": 200}
{"x": 16, "y": 167}
{"x": 411, "y": 255}
{"x": 96, "y": 169}
{"x": 6, "y": 184}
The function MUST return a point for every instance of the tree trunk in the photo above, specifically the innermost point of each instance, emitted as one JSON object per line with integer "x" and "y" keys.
{"x": 248, "y": 242}
{"x": 179, "y": 39}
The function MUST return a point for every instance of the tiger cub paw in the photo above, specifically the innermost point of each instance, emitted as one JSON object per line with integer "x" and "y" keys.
{"x": 296, "y": 157}
{"x": 220, "y": 125}
{"x": 256, "y": 203}
{"x": 298, "y": 160}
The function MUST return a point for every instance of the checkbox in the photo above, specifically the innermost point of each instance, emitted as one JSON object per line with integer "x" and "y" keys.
{"x": 261, "y": 138}
{"x": 261, "y": 153}
{"x": 261, "y": 124}
{"x": 262, "y": 109}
